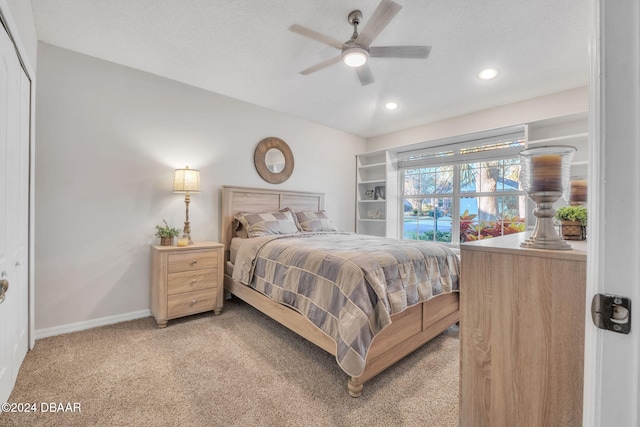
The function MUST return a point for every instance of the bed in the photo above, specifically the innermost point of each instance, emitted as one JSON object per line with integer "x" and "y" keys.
{"x": 394, "y": 333}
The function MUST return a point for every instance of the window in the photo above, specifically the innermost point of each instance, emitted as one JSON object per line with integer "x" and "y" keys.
{"x": 463, "y": 191}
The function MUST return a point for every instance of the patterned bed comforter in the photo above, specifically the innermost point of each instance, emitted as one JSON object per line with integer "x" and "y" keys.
{"x": 347, "y": 284}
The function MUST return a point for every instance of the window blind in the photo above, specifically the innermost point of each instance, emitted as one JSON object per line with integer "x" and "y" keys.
{"x": 498, "y": 144}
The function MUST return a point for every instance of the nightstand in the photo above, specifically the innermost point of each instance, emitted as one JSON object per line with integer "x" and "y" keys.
{"x": 186, "y": 280}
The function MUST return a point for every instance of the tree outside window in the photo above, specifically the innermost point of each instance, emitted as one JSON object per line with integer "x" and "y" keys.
{"x": 463, "y": 201}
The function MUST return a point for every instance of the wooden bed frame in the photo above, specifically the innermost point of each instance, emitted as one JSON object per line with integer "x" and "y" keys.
{"x": 409, "y": 329}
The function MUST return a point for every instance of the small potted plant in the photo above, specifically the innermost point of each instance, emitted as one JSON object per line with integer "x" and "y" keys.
{"x": 573, "y": 222}
{"x": 166, "y": 233}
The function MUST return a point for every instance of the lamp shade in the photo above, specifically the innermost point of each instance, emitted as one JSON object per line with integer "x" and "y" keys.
{"x": 186, "y": 181}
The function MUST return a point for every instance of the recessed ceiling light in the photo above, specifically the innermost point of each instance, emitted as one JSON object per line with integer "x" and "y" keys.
{"x": 488, "y": 74}
{"x": 391, "y": 105}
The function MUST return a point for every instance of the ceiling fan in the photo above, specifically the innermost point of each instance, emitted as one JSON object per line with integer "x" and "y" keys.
{"x": 357, "y": 50}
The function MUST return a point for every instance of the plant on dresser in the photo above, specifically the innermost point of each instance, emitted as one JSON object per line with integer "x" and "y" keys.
{"x": 186, "y": 280}
{"x": 573, "y": 222}
{"x": 573, "y": 214}
{"x": 166, "y": 233}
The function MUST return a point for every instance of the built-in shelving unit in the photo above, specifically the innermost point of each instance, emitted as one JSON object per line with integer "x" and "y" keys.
{"x": 380, "y": 215}
{"x": 567, "y": 130}
{"x": 371, "y": 206}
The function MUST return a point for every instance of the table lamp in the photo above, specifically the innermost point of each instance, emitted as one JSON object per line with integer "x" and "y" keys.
{"x": 186, "y": 181}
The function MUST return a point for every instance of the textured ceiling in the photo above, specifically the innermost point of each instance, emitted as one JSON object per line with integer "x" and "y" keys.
{"x": 242, "y": 49}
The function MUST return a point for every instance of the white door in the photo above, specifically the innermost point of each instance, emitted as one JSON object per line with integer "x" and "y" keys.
{"x": 612, "y": 360}
{"x": 14, "y": 213}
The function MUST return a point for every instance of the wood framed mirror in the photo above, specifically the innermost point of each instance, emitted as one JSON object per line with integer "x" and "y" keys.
{"x": 273, "y": 160}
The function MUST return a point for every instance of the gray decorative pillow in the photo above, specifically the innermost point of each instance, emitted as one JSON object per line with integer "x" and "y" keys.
{"x": 239, "y": 230}
{"x": 264, "y": 224}
{"x": 314, "y": 221}
{"x": 293, "y": 215}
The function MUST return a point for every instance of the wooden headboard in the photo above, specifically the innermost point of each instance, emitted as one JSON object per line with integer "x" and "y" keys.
{"x": 254, "y": 200}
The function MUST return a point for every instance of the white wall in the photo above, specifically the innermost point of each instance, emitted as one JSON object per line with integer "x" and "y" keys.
{"x": 109, "y": 138}
{"x": 545, "y": 107}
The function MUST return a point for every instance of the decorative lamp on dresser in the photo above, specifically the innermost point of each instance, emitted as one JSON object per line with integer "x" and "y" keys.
{"x": 522, "y": 314}
{"x": 186, "y": 280}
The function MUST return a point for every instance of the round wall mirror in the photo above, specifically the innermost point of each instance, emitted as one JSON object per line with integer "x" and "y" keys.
{"x": 273, "y": 160}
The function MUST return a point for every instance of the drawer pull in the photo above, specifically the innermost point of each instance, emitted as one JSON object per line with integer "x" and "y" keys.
{"x": 194, "y": 302}
{"x": 193, "y": 281}
{"x": 195, "y": 261}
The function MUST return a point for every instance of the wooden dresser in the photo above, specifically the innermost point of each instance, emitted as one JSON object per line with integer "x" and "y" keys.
{"x": 186, "y": 280}
{"x": 522, "y": 317}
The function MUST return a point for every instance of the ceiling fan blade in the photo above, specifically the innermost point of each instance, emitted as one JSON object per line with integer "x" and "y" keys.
{"x": 365, "y": 75}
{"x": 399, "y": 51}
{"x": 303, "y": 31}
{"x": 381, "y": 17}
{"x": 321, "y": 65}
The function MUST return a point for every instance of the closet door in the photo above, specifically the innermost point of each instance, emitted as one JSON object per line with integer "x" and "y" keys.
{"x": 14, "y": 213}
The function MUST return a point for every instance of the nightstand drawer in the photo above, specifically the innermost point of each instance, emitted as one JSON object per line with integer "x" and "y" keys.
{"x": 187, "y": 281}
{"x": 195, "y": 260}
{"x": 191, "y": 302}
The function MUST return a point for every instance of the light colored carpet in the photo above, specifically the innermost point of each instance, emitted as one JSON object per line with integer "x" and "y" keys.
{"x": 237, "y": 369}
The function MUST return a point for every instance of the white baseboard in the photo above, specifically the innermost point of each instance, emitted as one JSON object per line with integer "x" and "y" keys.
{"x": 93, "y": 323}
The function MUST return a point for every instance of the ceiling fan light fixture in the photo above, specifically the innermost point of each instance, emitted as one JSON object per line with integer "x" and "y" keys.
{"x": 355, "y": 56}
{"x": 356, "y": 51}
